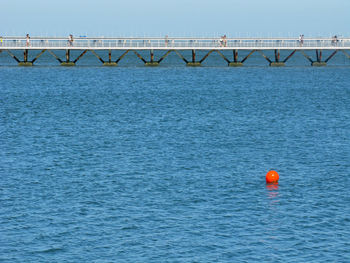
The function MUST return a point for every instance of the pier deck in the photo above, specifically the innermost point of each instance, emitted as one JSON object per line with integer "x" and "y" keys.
{"x": 174, "y": 44}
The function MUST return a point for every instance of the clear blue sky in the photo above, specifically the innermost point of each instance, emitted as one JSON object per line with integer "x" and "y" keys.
{"x": 175, "y": 18}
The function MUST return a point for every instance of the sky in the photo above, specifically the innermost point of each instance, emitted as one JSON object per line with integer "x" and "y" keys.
{"x": 255, "y": 18}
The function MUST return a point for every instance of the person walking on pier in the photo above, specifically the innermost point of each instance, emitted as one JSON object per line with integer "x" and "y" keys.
{"x": 0, "y": 41}
{"x": 301, "y": 40}
{"x": 335, "y": 40}
{"x": 70, "y": 40}
{"x": 166, "y": 40}
{"x": 224, "y": 41}
{"x": 27, "y": 40}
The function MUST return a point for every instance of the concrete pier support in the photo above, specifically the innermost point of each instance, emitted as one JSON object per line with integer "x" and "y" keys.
{"x": 193, "y": 64}
{"x": 110, "y": 64}
{"x": 25, "y": 64}
{"x": 318, "y": 64}
{"x": 235, "y": 64}
{"x": 152, "y": 64}
{"x": 68, "y": 64}
{"x": 277, "y": 64}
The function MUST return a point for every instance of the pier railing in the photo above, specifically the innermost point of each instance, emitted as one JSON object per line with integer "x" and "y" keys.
{"x": 173, "y": 43}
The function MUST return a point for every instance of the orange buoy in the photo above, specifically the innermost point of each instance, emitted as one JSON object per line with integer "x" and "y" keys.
{"x": 272, "y": 177}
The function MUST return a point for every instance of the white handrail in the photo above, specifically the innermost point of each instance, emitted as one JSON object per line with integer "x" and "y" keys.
{"x": 172, "y": 43}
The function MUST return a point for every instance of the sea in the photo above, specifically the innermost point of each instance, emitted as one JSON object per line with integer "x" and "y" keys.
{"x": 167, "y": 164}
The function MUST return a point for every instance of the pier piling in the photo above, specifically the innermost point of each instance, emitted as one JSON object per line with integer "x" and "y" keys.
{"x": 152, "y": 63}
{"x": 110, "y": 63}
{"x": 67, "y": 63}
{"x": 193, "y": 63}
{"x": 25, "y": 62}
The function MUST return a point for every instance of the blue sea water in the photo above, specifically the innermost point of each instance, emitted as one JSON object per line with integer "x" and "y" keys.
{"x": 168, "y": 164}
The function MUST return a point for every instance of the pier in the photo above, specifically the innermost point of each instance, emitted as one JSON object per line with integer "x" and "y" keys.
{"x": 176, "y": 45}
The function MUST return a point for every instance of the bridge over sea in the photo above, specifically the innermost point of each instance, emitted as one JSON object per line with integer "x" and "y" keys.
{"x": 174, "y": 44}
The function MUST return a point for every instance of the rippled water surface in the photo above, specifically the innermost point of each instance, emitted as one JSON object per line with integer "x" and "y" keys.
{"x": 168, "y": 164}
